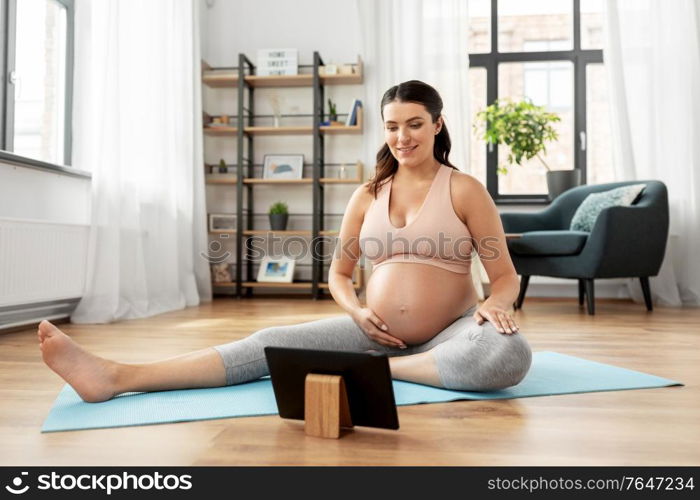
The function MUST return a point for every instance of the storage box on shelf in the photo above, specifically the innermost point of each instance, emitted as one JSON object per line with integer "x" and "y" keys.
{"x": 243, "y": 127}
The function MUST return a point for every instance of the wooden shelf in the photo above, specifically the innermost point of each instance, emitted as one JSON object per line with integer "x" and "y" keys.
{"x": 340, "y": 130}
{"x": 221, "y": 130}
{"x": 322, "y": 180}
{"x": 332, "y": 180}
{"x": 306, "y": 80}
{"x": 228, "y": 78}
{"x": 277, "y": 181}
{"x": 221, "y": 181}
{"x": 279, "y": 130}
{"x": 298, "y": 285}
{"x": 336, "y": 130}
{"x": 288, "y": 232}
{"x": 263, "y": 284}
{"x": 305, "y": 130}
{"x": 220, "y": 78}
{"x": 232, "y": 126}
{"x": 345, "y": 79}
{"x": 353, "y": 79}
{"x": 257, "y": 81}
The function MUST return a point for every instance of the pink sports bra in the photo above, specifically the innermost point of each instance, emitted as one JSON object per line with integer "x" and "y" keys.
{"x": 436, "y": 236}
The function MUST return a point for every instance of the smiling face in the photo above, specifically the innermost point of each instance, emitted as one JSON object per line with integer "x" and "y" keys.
{"x": 409, "y": 132}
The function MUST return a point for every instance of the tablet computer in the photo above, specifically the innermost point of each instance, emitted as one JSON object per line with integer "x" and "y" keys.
{"x": 366, "y": 375}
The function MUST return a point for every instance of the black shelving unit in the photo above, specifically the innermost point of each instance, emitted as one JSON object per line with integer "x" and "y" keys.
{"x": 246, "y": 81}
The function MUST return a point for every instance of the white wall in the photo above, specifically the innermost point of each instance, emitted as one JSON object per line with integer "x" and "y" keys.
{"x": 27, "y": 193}
{"x": 44, "y": 221}
{"x": 328, "y": 26}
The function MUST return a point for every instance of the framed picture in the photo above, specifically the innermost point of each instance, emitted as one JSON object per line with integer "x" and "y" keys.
{"x": 283, "y": 166}
{"x": 276, "y": 269}
{"x": 222, "y": 222}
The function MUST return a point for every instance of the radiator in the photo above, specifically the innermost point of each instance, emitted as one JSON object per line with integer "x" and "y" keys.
{"x": 42, "y": 270}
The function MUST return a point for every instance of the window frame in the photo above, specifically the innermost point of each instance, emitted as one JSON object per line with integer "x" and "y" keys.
{"x": 580, "y": 59}
{"x": 8, "y": 42}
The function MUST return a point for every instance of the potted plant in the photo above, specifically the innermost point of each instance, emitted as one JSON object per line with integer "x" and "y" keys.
{"x": 525, "y": 128}
{"x": 279, "y": 214}
{"x": 332, "y": 111}
{"x": 222, "y": 166}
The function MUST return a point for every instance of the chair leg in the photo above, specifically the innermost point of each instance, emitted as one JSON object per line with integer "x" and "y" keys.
{"x": 644, "y": 280}
{"x": 524, "y": 280}
{"x": 581, "y": 292}
{"x": 590, "y": 296}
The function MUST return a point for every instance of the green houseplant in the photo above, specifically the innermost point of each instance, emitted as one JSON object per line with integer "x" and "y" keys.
{"x": 525, "y": 129}
{"x": 279, "y": 214}
{"x": 332, "y": 111}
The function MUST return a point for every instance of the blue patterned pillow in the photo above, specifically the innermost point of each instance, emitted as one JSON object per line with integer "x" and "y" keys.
{"x": 590, "y": 208}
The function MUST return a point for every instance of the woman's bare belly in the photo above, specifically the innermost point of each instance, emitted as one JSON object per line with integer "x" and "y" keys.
{"x": 417, "y": 301}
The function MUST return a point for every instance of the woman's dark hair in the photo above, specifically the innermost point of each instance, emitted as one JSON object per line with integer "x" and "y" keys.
{"x": 420, "y": 93}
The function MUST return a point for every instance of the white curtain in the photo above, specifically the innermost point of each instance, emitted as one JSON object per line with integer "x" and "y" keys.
{"x": 418, "y": 40}
{"x": 423, "y": 40}
{"x": 137, "y": 128}
{"x": 652, "y": 56}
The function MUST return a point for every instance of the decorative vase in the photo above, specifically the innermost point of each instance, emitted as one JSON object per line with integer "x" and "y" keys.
{"x": 559, "y": 181}
{"x": 278, "y": 222}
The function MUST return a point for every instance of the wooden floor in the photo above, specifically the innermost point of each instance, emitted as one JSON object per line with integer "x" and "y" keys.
{"x": 639, "y": 427}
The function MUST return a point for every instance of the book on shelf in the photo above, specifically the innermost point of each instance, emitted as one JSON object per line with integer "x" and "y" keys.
{"x": 352, "y": 115}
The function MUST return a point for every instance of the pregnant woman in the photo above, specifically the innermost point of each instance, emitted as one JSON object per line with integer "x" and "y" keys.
{"x": 418, "y": 220}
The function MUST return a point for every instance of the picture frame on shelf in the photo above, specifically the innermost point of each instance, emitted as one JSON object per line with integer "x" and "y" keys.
{"x": 222, "y": 222}
{"x": 283, "y": 167}
{"x": 276, "y": 270}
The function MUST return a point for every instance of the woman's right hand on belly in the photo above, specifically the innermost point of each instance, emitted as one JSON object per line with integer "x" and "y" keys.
{"x": 375, "y": 328}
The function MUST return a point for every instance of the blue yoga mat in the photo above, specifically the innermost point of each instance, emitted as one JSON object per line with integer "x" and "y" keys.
{"x": 551, "y": 373}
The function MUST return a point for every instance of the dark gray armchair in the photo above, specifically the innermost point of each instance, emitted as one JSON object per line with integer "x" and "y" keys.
{"x": 625, "y": 242}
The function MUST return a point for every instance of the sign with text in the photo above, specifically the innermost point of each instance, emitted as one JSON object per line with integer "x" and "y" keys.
{"x": 277, "y": 62}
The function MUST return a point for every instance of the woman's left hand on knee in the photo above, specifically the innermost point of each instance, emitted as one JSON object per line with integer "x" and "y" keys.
{"x": 498, "y": 317}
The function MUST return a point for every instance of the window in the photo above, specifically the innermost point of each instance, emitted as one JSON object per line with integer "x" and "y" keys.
{"x": 549, "y": 51}
{"x": 37, "y": 83}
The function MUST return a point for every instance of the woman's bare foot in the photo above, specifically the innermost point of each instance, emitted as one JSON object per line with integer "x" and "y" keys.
{"x": 92, "y": 377}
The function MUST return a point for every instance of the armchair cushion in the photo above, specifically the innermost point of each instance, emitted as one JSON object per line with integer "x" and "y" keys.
{"x": 544, "y": 243}
{"x": 586, "y": 214}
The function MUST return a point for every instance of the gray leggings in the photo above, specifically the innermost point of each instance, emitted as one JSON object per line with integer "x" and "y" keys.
{"x": 469, "y": 357}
